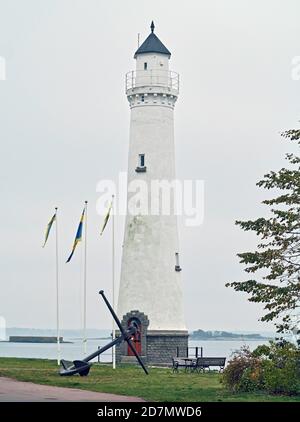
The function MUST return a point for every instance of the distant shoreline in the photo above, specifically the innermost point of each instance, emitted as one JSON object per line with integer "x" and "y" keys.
{"x": 231, "y": 339}
{"x": 36, "y": 339}
{"x": 203, "y": 335}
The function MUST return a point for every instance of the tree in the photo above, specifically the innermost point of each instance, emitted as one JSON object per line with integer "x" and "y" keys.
{"x": 278, "y": 253}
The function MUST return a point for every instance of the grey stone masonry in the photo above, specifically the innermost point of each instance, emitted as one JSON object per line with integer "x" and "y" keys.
{"x": 157, "y": 347}
{"x": 121, "y": 349}
{"x": 162, "y": 346}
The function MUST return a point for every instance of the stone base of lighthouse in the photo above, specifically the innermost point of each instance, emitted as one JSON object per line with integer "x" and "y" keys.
{"x": 155, "y": 347}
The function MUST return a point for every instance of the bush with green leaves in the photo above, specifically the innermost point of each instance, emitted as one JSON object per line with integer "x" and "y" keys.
{"x": 243, "y": 372}
{"x": 274, "y": 368}
{"x": 281, "y": 367}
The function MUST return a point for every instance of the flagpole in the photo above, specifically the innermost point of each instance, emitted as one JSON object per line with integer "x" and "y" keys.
{"x": 57, "y": 289}
{"x": 113, "y": 281}
{"x": 84, "y": 282}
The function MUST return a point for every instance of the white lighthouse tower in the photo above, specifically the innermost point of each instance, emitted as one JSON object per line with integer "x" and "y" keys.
{"x": 151, "y": 287}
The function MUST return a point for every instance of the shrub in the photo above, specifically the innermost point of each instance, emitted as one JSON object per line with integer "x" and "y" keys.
{"x": 243, "y": 372}
{"x": 282, "y": 369}
{"x": 274, "y": 368}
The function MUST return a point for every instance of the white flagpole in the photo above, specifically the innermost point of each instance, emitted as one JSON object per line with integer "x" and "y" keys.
{"x": 84, "y": 282}
{"x": 113, "y": 281}
{"x": 57, "y": 289}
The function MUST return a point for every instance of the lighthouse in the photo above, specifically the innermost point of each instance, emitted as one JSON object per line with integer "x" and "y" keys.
{"x": 150, "y": 292}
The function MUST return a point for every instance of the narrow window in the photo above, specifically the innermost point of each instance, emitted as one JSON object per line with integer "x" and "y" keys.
{"x": 141, "y": 168}
{"x": 177, "y": 265}
{"x": 145, "y": 66}
{"x": 142, "y": 160}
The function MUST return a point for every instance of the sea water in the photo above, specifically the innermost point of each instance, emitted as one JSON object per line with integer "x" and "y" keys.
{"x": 74, "y": 350}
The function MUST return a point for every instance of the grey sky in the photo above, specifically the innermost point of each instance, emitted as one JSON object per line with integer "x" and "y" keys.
{"x": 64, "y": 124}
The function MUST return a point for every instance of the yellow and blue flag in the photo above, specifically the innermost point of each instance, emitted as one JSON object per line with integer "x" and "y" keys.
{"x": 78, "y": 236}
{"x": 106, "y": 218}
{"x": 49, "y": 228}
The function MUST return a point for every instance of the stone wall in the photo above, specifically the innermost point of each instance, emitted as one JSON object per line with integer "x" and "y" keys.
{"x": 121, "y": 349}
{"x": 162, "y": 346}
{"x": 158, "y": 346}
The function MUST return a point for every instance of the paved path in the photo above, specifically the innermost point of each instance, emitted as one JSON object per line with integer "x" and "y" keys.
{"x": 12, "y": 391}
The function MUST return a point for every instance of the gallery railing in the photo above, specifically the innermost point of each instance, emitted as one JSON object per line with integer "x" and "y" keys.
{"x": 152, "y": 78}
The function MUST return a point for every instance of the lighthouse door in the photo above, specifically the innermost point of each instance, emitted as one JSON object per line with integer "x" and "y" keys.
{"x": 136, "y": 338}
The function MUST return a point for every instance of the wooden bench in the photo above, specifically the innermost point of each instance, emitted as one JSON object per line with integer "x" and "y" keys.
{"x": 183, "y": 362}
{"x": 207, "y": 362}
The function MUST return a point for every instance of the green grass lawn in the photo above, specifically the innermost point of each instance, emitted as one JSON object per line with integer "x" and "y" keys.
{"x": 159, "y": 385}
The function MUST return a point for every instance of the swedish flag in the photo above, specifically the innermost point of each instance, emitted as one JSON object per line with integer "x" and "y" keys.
{"x": 106, "y": 218}
{"x": 78, "y": 236}
{"x": 49, "y": 228}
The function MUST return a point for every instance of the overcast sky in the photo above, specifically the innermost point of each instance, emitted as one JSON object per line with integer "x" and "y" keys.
{"x": 64, "y": 125}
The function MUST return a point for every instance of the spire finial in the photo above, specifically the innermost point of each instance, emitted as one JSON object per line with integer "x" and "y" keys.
{"x": 152, "y": 26}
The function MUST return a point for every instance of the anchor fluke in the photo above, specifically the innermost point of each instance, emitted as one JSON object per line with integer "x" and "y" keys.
{"x": 76, "y": 367}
